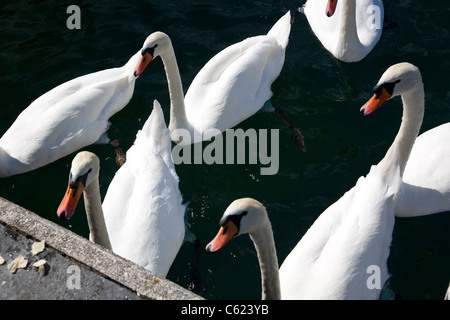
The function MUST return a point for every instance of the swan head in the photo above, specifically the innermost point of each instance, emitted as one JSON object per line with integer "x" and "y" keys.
{"x": 85, "y": 168}
{"x": 244, "y": 215}
{"x": 155, "y": 45}
{"x": 396, "y": 80}
{"x": 331, "y": 7}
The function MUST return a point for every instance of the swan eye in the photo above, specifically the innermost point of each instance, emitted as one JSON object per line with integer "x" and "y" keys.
{"x": 388, "y": 86}
{"x": 151, "y": 50}
{"x": 235, "y": 219}
{"x": 82, "y": 179}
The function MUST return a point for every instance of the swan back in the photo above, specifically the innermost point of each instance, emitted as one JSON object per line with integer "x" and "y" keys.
{"x": 143, "y": 206}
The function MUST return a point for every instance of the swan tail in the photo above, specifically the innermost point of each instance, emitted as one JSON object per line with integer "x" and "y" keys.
{"x": 282, "y": 29}
{"x": 155, "y": 126}
{"x": 158, "y": 136}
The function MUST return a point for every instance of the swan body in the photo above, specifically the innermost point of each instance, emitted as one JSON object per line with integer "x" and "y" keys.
{"x": 231, "y": 87}
{"x": 65, "y": 119}
{"x": 343, "y": 255}
{"x": 142, "y": 215}
{"x": 426, "y": 180}
{"x": 349, "y": 29}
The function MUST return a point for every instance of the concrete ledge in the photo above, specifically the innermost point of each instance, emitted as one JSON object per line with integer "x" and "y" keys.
{"x": 108, "y": 275}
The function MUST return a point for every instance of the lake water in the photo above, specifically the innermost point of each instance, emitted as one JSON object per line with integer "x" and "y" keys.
{"x": 320, "y": 94}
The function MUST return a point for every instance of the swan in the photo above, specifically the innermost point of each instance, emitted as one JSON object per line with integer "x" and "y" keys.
{"x": 67, "y": 118}
{"x": 343, "y": 255}
{"x": 331, "y": 260}
{"x": 426, "y": 179}
{"x": 230, "y": 88}
{"x": 142, "y": 215}
{"x": 349, "y": 29}
{"x": 247, "y": 215}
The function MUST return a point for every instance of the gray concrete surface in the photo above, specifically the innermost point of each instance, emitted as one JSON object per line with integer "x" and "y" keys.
{"x": 76, "y": 268}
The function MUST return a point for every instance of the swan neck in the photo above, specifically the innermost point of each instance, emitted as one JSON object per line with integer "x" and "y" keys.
{"x": 413, "y": 111}
{"x": 94, "y": 213}
{"x": 348, "y": 35}
{"x": 178, "y": 119}
{"x": 268, "y": 262}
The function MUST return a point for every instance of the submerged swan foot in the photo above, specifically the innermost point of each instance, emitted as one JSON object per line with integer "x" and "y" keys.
{"x": 299, "y": 139}
{"x": 295, "y": 13}
{"x": 120, "y": 156}
{"x": 298, "y": 136}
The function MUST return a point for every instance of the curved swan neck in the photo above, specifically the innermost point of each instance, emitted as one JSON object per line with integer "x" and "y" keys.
{"x": 178, "y": 117}
{"x": 348, "y": 35}
{"x": 94, "y": 213}
{"x": 268, "y": 262}
{"x": 413, "y": 111}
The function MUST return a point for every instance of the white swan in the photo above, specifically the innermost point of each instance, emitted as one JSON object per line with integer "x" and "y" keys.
{"x": 248, "y": 215}
{"x": 332, "y": 259}
{"x": 344, "y": 253}
{"x": 231, "y": 87}
{"x": 67, "y": 118}
{"x": 142, "y": 215}
{"x": 426, "y": 179}
{"x": 349, "y": 29}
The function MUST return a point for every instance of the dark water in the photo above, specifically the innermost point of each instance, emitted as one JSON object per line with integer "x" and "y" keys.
{"x": 318, "y": 93}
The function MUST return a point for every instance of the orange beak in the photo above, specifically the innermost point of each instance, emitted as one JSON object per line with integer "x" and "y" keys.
{"x": 226, "y": 232}
{"x": 374, "y": 102}
{"x": 331, "y": 7}
{"x": 143, "y": 63}
{"x": 69, "y": 202}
